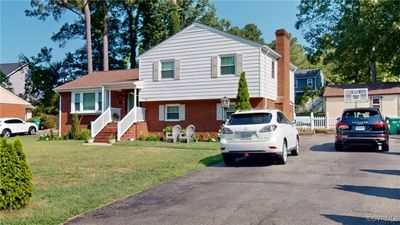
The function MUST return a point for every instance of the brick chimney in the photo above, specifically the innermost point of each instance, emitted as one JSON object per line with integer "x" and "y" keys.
{"x": 283, "y": 47}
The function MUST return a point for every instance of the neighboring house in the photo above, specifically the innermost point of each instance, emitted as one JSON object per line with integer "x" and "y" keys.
{"x": 385, "y": 96}
{"x": 13, "y": 106}
{"x": 16, "y": 74}
{"x": 313, "y": 78}
{"x": 181, "y": 81}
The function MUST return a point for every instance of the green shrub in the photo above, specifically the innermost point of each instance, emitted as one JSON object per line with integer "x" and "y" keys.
{"x": 49, "y": 137}
{"x": 197, "y": 137}
{"x": 48, "y": 121}
{"x": 142, "y": 137}
{"x": 155, "y": 137}
{"x": 16, "y": 179}
{"x": 84, "y": 134}
{"x": 167, "y": 129}
{"x": 73, "y": 133}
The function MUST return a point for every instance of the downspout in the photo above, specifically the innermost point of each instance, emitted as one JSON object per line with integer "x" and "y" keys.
{"x": 59, "y": 115}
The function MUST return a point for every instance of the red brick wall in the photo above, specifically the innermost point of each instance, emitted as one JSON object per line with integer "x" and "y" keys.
{"x": 66, "y": 115}
{"x": 200, "y": 113}
{"x": 135, "y": 130}
{"x": 283, "y": 48}
{"x": 12, "y": 110}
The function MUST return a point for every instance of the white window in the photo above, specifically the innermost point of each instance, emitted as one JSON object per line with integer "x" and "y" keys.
{"x": 273, "y": 69}
{"x": 310, "y": 83}
{"x": 167, "y": 69}
{"x": 86, "y": 102}
{"x": 221, "y": 115}
{"x": 376, "y": 103}
{"x": 296, "y": 83}
{"x": 172, "y": 112}
{"x": 228, "y": 65}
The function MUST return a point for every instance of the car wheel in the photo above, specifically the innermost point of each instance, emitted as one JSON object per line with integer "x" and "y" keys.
{"x": 296, "y": 151}
{"x": 284, "y": 155}
{"x": 229, "y": 160}
{"x": 385, "y": 147}
{"x": 32, "y": 130}
{"x": 338, "y": 147}
{"x": 6, "y": 133}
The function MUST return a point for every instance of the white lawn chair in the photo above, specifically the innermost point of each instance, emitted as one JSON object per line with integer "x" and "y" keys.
{"x": 176, "y": 130}
{"x": 188, "y": 135}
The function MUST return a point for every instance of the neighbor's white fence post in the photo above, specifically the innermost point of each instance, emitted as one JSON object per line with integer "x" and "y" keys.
{"x": 327, "y": 120}
{"x": 312, "y": 120}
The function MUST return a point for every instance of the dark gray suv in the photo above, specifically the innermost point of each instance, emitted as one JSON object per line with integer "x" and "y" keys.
{"x": 362, "y": 126}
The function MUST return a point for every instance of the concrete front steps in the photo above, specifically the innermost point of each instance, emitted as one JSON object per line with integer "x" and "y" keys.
{"x": 109, "y": 130}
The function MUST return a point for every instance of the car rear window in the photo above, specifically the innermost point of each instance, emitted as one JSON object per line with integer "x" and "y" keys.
{"x": 253, "y": 118}
{"x": 369, "y": 115}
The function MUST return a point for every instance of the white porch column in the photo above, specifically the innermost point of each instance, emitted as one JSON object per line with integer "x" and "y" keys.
{"x": 109, "y": 99}
{"x": 134, "y": 98}
{"x": 103, "y": 99}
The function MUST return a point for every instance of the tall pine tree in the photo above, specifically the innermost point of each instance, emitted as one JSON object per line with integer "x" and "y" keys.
{"x": 242, "y": 98}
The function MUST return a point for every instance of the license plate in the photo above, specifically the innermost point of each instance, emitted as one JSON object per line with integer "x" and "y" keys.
{"x": 360, "y": 128}
{"x": 245, "y": 135}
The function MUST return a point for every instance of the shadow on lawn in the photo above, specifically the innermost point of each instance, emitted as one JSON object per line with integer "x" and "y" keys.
{"x": 211, "y": 160}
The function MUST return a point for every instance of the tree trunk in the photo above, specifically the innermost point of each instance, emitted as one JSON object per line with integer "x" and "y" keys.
{"x": 133, "y": 23}
{"x": 105, "y": 36}
{"x": 88, "y": 36}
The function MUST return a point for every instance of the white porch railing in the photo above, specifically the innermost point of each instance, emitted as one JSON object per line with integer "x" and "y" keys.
{"x": 135, "y": 115}
{"x": 100, "y": 122}
{"x": 312, "y": 122}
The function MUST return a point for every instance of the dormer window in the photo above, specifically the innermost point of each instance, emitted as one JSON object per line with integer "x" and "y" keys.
{"x": 228, "y": 65}
{"x": 167, "y": 70}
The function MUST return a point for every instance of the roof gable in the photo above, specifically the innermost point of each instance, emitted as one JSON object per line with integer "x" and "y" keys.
{"x": 8, "y": 68}
{"x": 8, "y": 97}
{"x": 198, "y": 25}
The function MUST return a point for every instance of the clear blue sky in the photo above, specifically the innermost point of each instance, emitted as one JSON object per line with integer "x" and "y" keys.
{"x": 20, "y": 34}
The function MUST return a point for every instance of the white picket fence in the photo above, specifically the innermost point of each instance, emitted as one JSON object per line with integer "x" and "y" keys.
{"x": 314, "y": 122}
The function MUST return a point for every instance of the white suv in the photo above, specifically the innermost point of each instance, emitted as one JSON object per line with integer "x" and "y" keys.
{"x": 262, "y": 131}
{"x": 9, "y": 126}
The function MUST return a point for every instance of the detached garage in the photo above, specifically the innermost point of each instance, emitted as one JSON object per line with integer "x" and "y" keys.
{"x": 385, "y": 96}
{"x": 14, "y": 106}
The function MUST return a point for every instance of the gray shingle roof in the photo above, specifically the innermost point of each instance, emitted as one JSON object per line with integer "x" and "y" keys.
{"x": 7, "y": 68}
{"x": 307, "y": 73}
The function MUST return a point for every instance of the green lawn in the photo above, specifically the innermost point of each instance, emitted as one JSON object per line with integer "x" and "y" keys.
{"x": 70, "y": 178}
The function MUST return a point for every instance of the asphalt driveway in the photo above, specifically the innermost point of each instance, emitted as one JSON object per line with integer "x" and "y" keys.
{"x": 321, "y": 186}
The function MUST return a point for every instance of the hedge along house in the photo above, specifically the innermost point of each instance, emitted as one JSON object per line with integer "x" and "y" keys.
{"x": 181, "y": 81}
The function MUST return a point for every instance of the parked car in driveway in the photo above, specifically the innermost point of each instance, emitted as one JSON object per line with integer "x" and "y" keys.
{"x": 362, "y": 126}
{"x": 10, "y": 126}
{"x": 265, "y": 131}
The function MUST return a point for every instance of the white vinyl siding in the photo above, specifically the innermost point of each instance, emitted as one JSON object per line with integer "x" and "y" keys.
{"x": 196, "y": 47}
{"x": 268, "y": 85}
{"x": 86, "y": 102}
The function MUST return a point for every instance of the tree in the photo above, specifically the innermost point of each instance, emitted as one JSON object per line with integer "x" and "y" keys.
{"x": 44, "y": 75}
{"x": 242, "y": 97}
{"x": 5, "y": 81}
{"x": 88, "y": 36}
{"x": 352, "y": 35}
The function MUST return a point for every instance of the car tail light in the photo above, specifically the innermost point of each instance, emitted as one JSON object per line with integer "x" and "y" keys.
{"x": 226, "y": 130}
{"x": 268, "y": 128}
{"x": 342, "y": 126}
{"x": 272, "y": 147}
{"x": 379, "y": 125}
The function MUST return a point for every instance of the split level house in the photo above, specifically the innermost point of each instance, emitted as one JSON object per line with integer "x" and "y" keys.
{"x": 180, "y": 82}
